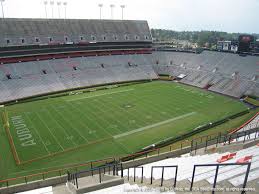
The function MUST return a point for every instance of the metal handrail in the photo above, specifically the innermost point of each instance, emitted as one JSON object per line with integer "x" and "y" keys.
{"x": 73, "y": 177}
{"x": 162, "y": 176}
{"x": 219, "y": 138}
{"x": 217, "y": 170}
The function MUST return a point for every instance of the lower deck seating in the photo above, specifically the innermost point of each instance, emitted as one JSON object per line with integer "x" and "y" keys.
{"x": 224, "y": 73}
{"x": 210, "y": 70}
{"x": 81, "y": 74}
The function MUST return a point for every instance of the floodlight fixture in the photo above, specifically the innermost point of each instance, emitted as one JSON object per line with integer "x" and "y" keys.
{"x": 2, "y": 5}
{"x": 45, "y": 4}
{"x": 100, "y": 7}
{"x": 112, "y": 6}
{"x": 122, "y": 11}
{"x": 52, "y": 7}
{"x": 65, "y": 6}
{"x": 59, "y": 4}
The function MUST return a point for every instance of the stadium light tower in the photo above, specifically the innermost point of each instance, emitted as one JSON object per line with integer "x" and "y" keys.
{"x": 52, "y": 7}
{"x": 100, "y": 6}
{"x": 65, "y": 6}
{"x": 2, "y": 1}
{"x": 45, "y": 4}
{"x": 122, "y": 11}
{"x": 112, "y": 6}
{"x": 59, "y": 4}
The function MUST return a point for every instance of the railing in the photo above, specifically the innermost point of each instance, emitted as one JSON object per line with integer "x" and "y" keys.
{"x": 225, "y": 139}
{"x": 53, "y": 173}
{"x": 197, "y": 143}
{"x": 246, "y": 123}
{"x": 216, "y": 173}
{"x": 162, "y": 176}
{"x": 134, "y": 175}
{"x": 73, "y": 177}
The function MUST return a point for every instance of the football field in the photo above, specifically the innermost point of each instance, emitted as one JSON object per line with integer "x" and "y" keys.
{"x": 119, "y": 120}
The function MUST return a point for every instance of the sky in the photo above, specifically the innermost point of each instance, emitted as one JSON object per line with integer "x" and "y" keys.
{"x": 181, "y": 15}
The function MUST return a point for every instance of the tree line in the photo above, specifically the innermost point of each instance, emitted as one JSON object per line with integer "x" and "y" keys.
{"x": 200, "y": 37}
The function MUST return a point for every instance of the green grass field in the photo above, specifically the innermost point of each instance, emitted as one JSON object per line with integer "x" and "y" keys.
{"x": 71, "y": 129}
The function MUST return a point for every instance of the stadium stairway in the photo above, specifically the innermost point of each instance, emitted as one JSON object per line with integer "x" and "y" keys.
{"x": 228, "y": 177}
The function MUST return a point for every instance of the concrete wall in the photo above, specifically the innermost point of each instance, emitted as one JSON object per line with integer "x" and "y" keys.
{"x": 34, "y": 185}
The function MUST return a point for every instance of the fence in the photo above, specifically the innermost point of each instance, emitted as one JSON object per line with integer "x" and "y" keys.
{"x": 217, "y": 170}
{"x": 53, "y": 173}
{"x": 162, "y": 176}
{"x": 73, "y": 177}
{"x": 197, "y": 143}
{"x": 134, "y": 175}
{"x": 225, "y": 139}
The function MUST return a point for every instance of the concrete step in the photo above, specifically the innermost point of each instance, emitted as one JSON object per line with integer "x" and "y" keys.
{"x": 156, "y": 184}
{"x": 60, "y": 189}
{"x": 183, "y": 184}
{"x": 200, "y": 187}
{"x": 253, "y": 184}
{"x": 184, "y": 187}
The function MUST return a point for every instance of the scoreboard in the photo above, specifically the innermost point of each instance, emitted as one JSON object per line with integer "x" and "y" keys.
{"x": 245, "y": 43}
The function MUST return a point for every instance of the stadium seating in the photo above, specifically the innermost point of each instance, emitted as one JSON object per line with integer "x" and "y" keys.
{"x": 225, "y": 73}
{"x": 210, "y": 70}
{"x": 245, "y": 159}
{"x": 226, "y": 157}
{"x": 254, "y": 123}
{"x": 18, "y": 32}
{"x": 185, "y": 167}
{"x": 29, "y": 79}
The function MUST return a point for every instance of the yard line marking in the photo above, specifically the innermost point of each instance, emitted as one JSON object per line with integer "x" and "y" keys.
{"x": 125, "y": 112}
{"x": 150, "y": 106}
{"x": 35, "y": 129}
{"x": 123, "y": 147}
{"x": 118, "y": 120}
{"x": 82, "y": 124}
{"x": 122, "y": 100}
{"x": 62, "y": 128}
{"x": 97, "y": 123}
{"x": 78, "y": 110}
{"x": 69, "y": 125}
{"x": 154, "y": 125}
{"x": 74, "y": 106}
{"x": 100, "y": 95}
{"x": 50, "y": 131}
